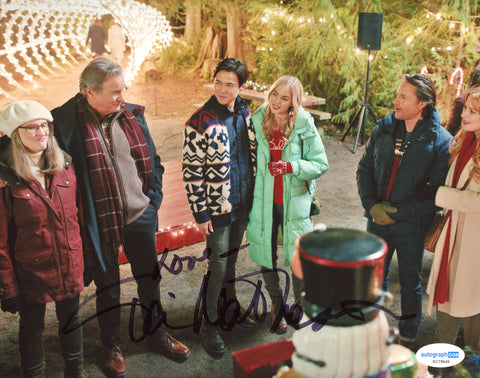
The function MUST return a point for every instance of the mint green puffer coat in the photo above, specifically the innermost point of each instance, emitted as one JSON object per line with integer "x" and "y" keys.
{"x": 296, "y": 198}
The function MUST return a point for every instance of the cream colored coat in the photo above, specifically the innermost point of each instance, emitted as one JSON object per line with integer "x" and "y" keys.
{"x": 116, "y": 42}
{"x": 464, "y": 265}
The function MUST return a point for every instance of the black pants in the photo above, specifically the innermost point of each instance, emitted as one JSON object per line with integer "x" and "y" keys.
{"x": 32, "y": 325}
{"x": 141, "y": 252}
{"x": 271, "y": 276}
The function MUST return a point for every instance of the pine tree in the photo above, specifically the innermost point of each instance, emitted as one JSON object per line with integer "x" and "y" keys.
{"x": 316, "y": 41}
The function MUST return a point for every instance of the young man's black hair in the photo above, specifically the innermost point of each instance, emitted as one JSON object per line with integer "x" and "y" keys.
{"x": 235, "y": 66}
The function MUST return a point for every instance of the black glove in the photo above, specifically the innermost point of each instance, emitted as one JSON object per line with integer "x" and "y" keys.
{"x": 11, "y": 304}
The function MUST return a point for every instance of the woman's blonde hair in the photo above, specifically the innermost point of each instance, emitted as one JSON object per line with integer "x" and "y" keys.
{"x": 457, "y": 141}
{"x": 296, "y": 90}
{"x": 53, "y": 159}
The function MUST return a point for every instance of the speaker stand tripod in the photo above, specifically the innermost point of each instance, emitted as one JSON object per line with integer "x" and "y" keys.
{"x": 362, "y": 113}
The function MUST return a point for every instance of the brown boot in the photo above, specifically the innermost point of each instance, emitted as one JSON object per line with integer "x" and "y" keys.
{"x": 278, "y": 325}
{"x": 168, "y": 346}
{"x": 115, "y": 363}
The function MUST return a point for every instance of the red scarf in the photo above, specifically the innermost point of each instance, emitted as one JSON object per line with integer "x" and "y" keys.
{"x": 466, "y": 151}
{"x": 103, "y": 181}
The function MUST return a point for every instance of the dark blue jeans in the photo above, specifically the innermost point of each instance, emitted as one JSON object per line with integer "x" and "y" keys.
{"x": 30, "y": 337}
{"x": 140, "y": 250}
{"x": 407, "y": 240}
{"x": 223, "y": 244}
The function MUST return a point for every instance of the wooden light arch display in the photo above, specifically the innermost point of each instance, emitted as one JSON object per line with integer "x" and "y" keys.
{"x": 39, "y": 37}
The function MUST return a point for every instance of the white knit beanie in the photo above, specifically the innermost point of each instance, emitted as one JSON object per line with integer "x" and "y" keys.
{"x": 20, "y": 112}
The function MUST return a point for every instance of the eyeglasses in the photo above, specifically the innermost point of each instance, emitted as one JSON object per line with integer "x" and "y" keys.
{"x": 33, "y": 130}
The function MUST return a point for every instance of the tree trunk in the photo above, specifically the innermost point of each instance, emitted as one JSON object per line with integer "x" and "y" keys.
{"x": 206, "y": 46}
{"x": 217, "y": 47}
{"x": 212, "y": 49}
{"x": 236, "y": 26}
{"x": 208, "y": 68}
{"x": 234, "y": 21}
{"x": 193, "y": 23}
{"x": 210, "y": 53}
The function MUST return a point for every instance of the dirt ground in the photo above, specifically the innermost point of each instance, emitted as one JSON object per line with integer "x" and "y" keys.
{"x": 169, "y": 101}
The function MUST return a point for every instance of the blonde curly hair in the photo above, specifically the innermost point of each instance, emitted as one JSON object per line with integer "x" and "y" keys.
{"x": 457, "y": 141}
{"x": 269, "y": 123}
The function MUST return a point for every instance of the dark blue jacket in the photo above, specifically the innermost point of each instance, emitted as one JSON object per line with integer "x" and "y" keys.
{"x": 67, "y": 133}
{"x": 241, "y": 171}
{"x": 422, "y": 170}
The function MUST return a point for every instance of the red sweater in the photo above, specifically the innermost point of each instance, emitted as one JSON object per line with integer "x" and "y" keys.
{"x": 277, "y": 144}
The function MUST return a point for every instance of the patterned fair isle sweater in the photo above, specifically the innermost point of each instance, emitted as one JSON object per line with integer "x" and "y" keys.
{"x": 206, "y": 160}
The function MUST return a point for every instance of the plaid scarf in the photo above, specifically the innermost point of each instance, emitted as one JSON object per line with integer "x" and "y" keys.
{"x": 103, "y": 180}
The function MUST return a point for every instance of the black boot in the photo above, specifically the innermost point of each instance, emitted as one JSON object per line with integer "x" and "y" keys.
{"x": 279, "y": 324}
{"x": 212, "y": 341}
{"x": 74, "y": 369}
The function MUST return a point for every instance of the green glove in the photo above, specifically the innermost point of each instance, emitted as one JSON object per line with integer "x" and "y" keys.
{"x": 379, "y": 213}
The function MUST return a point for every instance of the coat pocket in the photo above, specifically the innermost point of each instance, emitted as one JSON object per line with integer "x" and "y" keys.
{"x": 28, "y": 209}
{"x": 33, "y": 257}
{"x": 300, "y": 201}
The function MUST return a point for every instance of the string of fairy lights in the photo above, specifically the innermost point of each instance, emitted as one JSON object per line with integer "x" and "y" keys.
{"x": 457, "y": 73}
{"x": 43, "y": 36}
